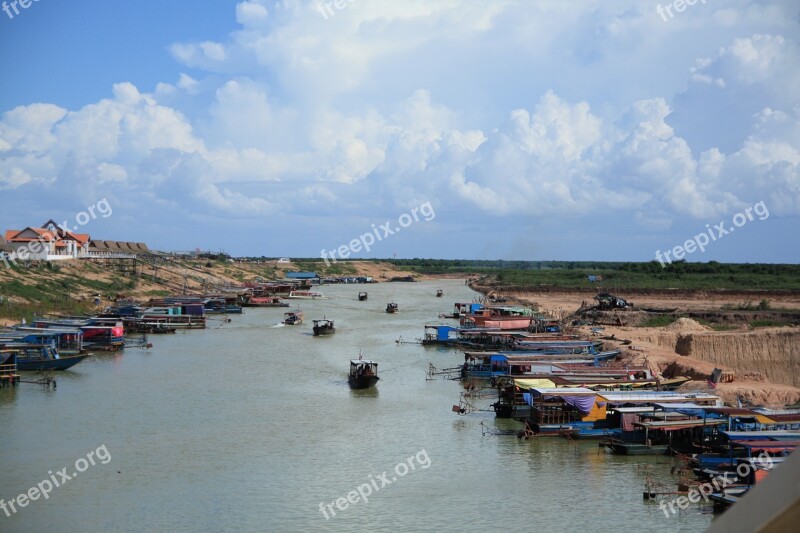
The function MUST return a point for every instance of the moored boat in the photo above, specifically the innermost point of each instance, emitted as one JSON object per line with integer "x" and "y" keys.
{"x": 293, "y": 318}
{"x": 363, "y": 374}
{"x": 323, "y": 327}
{"x": 264, "y": 301}
{"x": 306, "y": 295}
{"x": 40, "y": 357}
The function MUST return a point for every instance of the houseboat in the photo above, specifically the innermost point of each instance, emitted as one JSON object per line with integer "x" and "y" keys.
{"x": 502, "y": 317}
{"x": 323, "y": 327}
{"x": 584, "y": 413}
{"x": 264, "y": 301}
{"x": 461, "y": 310}
{"x": 363, "y": 374}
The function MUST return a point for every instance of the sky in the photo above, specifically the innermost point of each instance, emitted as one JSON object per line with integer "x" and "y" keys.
{"x": 510, "y": 129}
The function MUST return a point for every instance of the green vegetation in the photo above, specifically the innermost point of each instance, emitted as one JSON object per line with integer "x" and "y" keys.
{"x": 763, "y": 305}
{"x": 658, "y": 321}
{"x": 766, "y": 323}
{"x": 339, "y": 268}
{"x": 617, "y": 275}
{"x": 47, "y": 289}
{"x": 722, "y": 327}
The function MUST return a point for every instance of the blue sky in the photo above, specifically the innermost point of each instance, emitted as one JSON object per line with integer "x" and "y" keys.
{"x": 536, "y": 130}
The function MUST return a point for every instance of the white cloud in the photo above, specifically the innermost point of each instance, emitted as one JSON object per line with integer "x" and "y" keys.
{"x": 507, "y": 108}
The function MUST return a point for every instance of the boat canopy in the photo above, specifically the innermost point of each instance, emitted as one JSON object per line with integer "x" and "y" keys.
{"x": 656, "y": 396}
{"x": 687, "y": 408}
{"x": 669, "y": 425}
{"x": 534, "y": 383}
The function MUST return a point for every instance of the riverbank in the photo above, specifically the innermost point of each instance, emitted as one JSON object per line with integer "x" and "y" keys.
{"x": 761, "y": 366}
{"x": 82, "y": 286}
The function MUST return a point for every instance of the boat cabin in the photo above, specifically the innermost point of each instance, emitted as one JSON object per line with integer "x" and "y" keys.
{"x": 363, "y": 373}
{"x": 293, "y": 318}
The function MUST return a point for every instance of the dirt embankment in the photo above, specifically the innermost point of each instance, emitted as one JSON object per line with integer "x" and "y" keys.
{"x": 773, "y": 353}
{"x": 760, "y": 367}
{"x": 767, "y": 381}
{"x": 684, "y": 299}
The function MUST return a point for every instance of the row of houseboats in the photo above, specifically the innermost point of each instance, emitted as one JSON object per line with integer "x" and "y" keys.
{"x": 559, "y": 385}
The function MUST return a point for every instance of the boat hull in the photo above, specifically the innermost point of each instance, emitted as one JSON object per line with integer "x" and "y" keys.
{"x": 324, "y": 331}
{"x": 63, "y": 363}
{"x": 502, "y": 323}
{"x": 637, "y": 449}
{"x": 362, "y": 382}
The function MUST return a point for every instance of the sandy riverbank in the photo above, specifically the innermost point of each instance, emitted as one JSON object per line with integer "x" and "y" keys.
{"x": 761, "y": 366}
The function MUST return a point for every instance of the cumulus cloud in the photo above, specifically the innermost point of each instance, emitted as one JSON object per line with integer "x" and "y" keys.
{"x": 506, "y": 108}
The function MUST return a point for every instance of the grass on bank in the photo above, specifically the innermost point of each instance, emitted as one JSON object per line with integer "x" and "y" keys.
{"x": 618, "y": 275}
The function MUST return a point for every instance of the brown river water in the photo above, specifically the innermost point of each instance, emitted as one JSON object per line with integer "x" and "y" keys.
{"x": 251, "y": 426}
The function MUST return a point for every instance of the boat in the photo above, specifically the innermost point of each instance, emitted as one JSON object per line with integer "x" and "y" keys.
{"x": 307, "y": 295}
{"x": 264, "y": 301}
{"x": 439, "y": 293}
{"x": 363, "y": 374}
{"x": 502, "y": 317}
{"x": 391, "y": 307}
{"x": 35, "y": 357}
{"x": 293, "y": 318}
{"x": 324, "y": 327}
{"x": 362, "y": 296}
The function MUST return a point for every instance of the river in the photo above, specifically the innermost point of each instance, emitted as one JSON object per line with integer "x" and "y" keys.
{"x": 251, "y": 426}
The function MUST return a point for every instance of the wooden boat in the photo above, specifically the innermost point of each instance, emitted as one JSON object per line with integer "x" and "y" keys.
{"x": 323, "y": 327}
{"x": 619, "y": 447}
{"x": 363, "y": 374}
{"x": 40, "y": 357}
{"x": 362, "y": 296}
{"x": 306, "y": 295}
{"x": 439, "y": 293}
{"x": 391, "y": 307}
{"x": 293, "y": 318}
{"x": 265, "y": 301}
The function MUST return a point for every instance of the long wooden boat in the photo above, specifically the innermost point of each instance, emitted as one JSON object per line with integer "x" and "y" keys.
{"x": 264, "y": 301}
{"x": 306, "y": 295}
{"x": 34, "y": 357}
{"x": 619, "y": 447}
